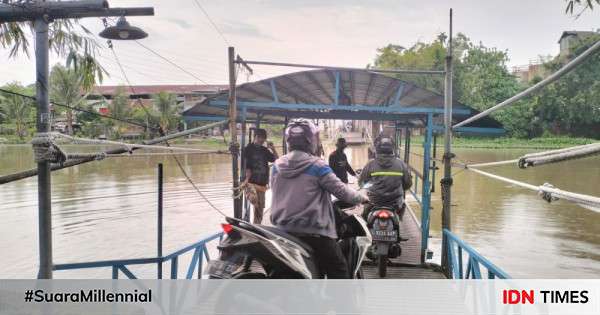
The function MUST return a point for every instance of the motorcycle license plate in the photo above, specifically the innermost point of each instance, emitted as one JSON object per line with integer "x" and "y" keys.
{"x": 222, "y": 269}
{"x": 379, "y": 235}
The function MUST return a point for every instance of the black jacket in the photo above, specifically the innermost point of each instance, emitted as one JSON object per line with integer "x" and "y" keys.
{"x": 338, "y": 161}
{"x": 389, "y": 177}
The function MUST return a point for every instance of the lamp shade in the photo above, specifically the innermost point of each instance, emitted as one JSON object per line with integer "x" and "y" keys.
{"x": 123, "y": 31}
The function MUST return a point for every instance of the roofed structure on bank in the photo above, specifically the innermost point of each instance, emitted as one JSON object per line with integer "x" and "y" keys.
{"x": 337, "y": 94}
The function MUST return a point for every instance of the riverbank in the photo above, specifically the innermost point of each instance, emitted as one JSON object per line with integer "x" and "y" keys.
{"x": 510, "y": 143}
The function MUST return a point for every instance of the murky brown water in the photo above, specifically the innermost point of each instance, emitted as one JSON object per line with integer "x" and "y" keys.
{"x": 107, "y": 210}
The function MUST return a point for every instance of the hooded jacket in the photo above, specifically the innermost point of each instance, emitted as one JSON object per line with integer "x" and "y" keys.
{"x": 302, "y": 185}
{"x": 389, "y": 176}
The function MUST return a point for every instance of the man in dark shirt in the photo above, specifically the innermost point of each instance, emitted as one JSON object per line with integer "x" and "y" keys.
{"x": 256, "y": 158}
{"x": 338, "y": 161}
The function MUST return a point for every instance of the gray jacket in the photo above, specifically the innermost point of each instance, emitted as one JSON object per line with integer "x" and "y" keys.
{"x": 302, "y": 186}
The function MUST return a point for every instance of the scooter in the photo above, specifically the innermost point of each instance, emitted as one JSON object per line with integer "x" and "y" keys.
{"x": 252, "y": 251}
{"x": 384, "y": 223}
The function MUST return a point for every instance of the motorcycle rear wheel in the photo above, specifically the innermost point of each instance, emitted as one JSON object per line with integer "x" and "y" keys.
{"x": 382, "y": 265}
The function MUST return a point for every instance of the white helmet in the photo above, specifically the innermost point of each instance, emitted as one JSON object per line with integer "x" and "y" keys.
{"x": 302, "y": 134}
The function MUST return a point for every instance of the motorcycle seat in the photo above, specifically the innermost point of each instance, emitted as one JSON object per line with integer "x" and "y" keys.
{"x": 288, "y": 236}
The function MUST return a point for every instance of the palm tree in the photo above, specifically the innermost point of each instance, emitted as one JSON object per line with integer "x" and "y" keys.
{"x": 168, "y": 110}
{"x": 67, "y": 39}
{"x": 15, "y": 108}
{"x": 119, "y": 107}
{"x": 66, "y": 87}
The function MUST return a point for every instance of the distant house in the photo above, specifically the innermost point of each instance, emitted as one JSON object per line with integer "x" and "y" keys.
{"x": 569, "y": 39}
{"x": 187, "y": 94}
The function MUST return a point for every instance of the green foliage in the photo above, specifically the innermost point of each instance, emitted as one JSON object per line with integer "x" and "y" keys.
{"x": 571, "y": 106}
{"x": 67, "y": 38}
{"x": 67, "y": 88}
{"x": 16, "y": 110}
{"x": 119, "y": 108}
{"x": 168, "y": 110}
{"x": 582, "y": 4}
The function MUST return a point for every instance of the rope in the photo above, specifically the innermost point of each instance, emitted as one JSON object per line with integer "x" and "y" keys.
{"x": 163, "y": 154}
{"x": 555, "y": 156}
{"x": 44, "y": 149}
{"x": 493, "y": 163}
{"x": 547, "y": 191}
{"x": 129, "y": 146}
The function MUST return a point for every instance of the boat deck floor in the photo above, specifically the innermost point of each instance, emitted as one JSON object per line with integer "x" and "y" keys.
{"x": 408, "y": 265}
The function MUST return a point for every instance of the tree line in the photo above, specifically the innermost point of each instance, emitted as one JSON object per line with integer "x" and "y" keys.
{"x": 568, "y": 107}
{"x": 68, "y": 87}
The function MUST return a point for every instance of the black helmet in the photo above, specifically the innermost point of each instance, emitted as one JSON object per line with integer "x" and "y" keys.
{"x": 384, "y": 145}
{"x": 302, "y": 134}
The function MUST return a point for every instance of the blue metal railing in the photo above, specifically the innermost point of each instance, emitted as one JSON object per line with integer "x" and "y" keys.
{"x": 474, "y": 260}
{"x": 199, "y": 248}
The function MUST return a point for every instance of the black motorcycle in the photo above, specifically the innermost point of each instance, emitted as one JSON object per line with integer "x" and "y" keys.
{"x": 252, "y": 251}
{"x": 384, "y": 224}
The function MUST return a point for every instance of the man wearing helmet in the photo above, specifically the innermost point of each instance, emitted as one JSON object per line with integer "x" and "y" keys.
{"x": 302, "y": 185}
{"x": 389, "y": 177}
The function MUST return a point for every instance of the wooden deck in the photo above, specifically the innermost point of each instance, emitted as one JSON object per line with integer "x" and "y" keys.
{"x": 408, "y": 265}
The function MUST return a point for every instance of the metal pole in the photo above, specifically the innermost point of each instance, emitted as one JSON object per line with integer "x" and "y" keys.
{"x": 283, "y": 142}
{"x": 159, "y": 239}
{"x": 426, "y": 192}
{"x": 43, "y": 167}
{"x": 237, "y": 202}
{"x": 407, "y": 146}
{"x": 447, "y": 180}
{"x": 434, "y": 166}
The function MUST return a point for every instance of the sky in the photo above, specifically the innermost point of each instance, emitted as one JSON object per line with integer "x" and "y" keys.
{"x": 324, "y": 32}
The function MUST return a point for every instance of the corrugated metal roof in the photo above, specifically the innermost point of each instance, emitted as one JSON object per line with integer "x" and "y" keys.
{"x": 317, "y": 87}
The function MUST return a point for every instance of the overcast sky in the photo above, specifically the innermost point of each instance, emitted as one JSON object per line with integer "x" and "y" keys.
{"x": 343, "y": 33}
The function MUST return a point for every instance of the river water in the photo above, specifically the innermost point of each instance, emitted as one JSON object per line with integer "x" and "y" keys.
{"x": 107, "y": 210}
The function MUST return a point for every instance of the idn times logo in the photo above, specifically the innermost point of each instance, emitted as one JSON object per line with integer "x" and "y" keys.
{"x": 545, "y": 296}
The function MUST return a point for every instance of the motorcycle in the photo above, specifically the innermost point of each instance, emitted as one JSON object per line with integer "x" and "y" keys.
{"x": 384, "y": 224}
{"x": 252, "y": 251}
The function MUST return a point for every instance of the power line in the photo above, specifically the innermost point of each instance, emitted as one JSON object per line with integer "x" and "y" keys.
{"x": 211, "y": 22}
{"x": 171, "y": 62}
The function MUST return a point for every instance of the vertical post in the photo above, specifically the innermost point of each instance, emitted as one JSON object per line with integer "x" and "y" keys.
{"x": 434, "y": 166}
{"x": 159, "y": 238}
{"x": 396, "y": 147}
{"x": 425, "y": 192}
{"x": 284, "y": 143}
{"x": 237, "y": 202}
{"x": 43, "y": 167}
{"x": 447, "y": 180}
{"x": 243, "y": 161}
{"x": 407, "y": 145}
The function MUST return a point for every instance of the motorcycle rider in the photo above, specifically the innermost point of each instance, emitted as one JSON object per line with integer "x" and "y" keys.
{"x": 389, "y": 176}
{"x": 302, "y": 185}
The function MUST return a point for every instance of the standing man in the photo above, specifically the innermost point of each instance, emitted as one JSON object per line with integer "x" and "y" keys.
{"x": 257, "y": 157}
{"x": 338, "y": 161}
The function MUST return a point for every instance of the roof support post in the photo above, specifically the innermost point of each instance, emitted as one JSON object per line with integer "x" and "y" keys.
{"x": 398, "y": 95}
{"x": 426, "y": 191}
{"x": 447, "y": 180}
{"x": 234, "y": 146}
{"x": 274, "y": 91}
{"x": 337, "y": 88}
